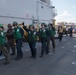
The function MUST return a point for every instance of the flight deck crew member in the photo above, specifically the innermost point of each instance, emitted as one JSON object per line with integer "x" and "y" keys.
{"x": 43, "y": 38}
{"x": 10, "y": 39}
{"x": 51, "y": 33}
{"x": 32, "y": 39}
{"x": 18, "y": 35}
{"x": 71, "y": 31}
{"x": 3, "y": 46}
{"x": 60, "y": 31}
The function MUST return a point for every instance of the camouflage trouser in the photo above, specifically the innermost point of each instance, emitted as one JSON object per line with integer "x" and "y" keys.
{"x": 10, "y": 44}
{"x": 5, "y": 52}
{"x": 48, "y": 42}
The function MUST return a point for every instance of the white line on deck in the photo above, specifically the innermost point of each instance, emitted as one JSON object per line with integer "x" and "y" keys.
{"x": 69, "y": 43}
{"x": 73, "y": 63}
{"x": 62, "y": 47}
{"x": 75, "y": 46}
{"x": 73, "y": 51}
{"x": 51, "y": 53}
{"x": 2, "y": 58}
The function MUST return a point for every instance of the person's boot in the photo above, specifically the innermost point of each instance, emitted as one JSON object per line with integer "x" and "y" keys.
{"x": 41, "y": 56}
{"x": 18, "y": 58}
{"x": 35, "y": 53}
{"x": 47, "y": 52}
{"x": 12, "y": 53}
{"x": 0, "y": 53}
{"x": 6, "y": 63}
{"x": 53, "y": 50}
{"x": 42, "y": 53}
{"x": 31, "y": 56}
{"x": 34, "y": 57}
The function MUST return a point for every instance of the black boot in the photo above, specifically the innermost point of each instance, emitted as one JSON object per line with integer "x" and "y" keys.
{"x": 0, "y": 53}
{"x": 18, "y": 58}
{"x": 6, "y": 63}
{"x": 12, "y": 53}
{"x": 31, "y": 56}
{"x": 41, "y": 56}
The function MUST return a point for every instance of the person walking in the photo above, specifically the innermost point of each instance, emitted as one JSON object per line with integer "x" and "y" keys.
{"x": 67, "y": 31}
{"x": 10, "y": 39}
{"x": 32, "y": 36}
{"x": 43, "y": 37}
{"x": 51, "y": 34}
{"x": 71, "y": 31}
{"x": 3, "y": 47}
{"x": 18, "y": 35}
{"x": 60, "y": 32}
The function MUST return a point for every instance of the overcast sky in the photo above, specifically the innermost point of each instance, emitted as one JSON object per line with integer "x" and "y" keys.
{"x": 66, "y": 10}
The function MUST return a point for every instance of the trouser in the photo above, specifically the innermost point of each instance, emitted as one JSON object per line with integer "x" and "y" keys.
{"x": 70, "y": 34}
{"x": 60, "y": 36}
{"x": 5, "y": 52}
{"x": 19, "y": 50}
{"x": 33, "y": 48}
{"x": 0, "y": 52}
{"x": 66, "y": 33}
{"x": 52, "y": 38}
{"x": 48, "y": 44}
{"x": 44, "y": 46}
{"x": 53, "y": 41}
{"x": 10, "y": 44}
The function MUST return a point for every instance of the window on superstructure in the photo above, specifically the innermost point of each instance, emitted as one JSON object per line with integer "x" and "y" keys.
{"x": 43, "y": 0}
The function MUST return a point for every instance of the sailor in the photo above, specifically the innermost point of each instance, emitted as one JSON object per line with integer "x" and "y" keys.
{"x": 71, "y": 31}
{"x": 60, "y": 32}
{"x": 32, "y": 36}
{"x": 18, "y": 35}
{"x": 10, "y": 39}
{"x": 51, "y": 34}
{"x": 3, "y": 45}
{"x": 43, "y": 37}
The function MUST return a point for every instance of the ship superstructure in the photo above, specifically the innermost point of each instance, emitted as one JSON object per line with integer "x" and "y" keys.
{"x": 29, "y": 11}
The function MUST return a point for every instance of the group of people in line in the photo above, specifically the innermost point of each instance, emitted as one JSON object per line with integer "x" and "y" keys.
{"x": 68, "y": 31}
{"x": 46, "y": 34}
